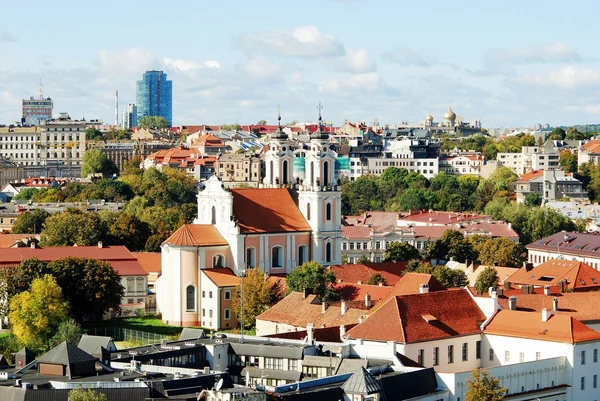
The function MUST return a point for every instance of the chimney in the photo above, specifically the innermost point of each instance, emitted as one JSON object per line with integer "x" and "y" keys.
{"x": 368, "y": 300}
{"x": 528, "y": 266}
{"x": 342, "y": 332}
{"x": 323, "y": 307}
{"x": 490, "y": 290}
{"x": 307, "y": 292}
{"x": 380, "y": 284}
{"x": 546, "y": 313}
{"x": 512, "y": 303}
{"x": 343, "y": 308}
{"x": 100, "y": 244}
{"x": 546, "y": 290}
{"x": 361, "y": 319}
{"x": 32, "y": 245}
{"x": 555, "y": 304}
{"x": 423, "y": 288}
{"x": 310, "y": 332}
{"x": 507, "y": 285}
{"x": 500, "y": 291}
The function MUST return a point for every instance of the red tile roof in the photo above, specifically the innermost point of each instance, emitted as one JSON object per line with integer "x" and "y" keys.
{"x": 122, "y": 261}
{"x": 356, "y": 232}
{"x": 559, "y": 328}
{"x": 379, "y": 221}
{"x": 580, "y": 305}
{"x": 358, "y": 292}
{"x": 353, "y": 273}
{"x": 443, "y": 218}
{"x": 196, "y": 235}
{"x": 222, "y": 277}
{"x": 570, "y": 243}
{"x": 580, "y": 276}
{"x": 150, "y": 261}
{"x": 533, "y": 174}
{"x": 9, "y": 240}
{"x": 592, "y": 146}
{"x": 323, "y": 334}
{"x": 267, "y": 210}
{"x": 422, "y": 317}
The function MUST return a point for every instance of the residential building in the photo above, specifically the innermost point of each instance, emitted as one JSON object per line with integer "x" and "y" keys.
{"x": 219, "y": 287}
{"x": 120, "y": 152}
{"x": 545, "y": 157}
{"x": 566, "y": 245}
{"x": 19, "y": 240}
{"x": 154, "y": 96}
{"x": 36, "y": 110}
{"x": 569, "y": 275}
{"x": 129, "y": 119}
{"x": 151, "y": 263}
{"x": 462, "y": 163}
{"x": 189, "y": 160}
{"x": 589, "y": 153}
{"x": 210, "y": 145}
{"x": 549, "y": 185}
{"x": 360, "y": 273}
{"x": 235, "y": 169}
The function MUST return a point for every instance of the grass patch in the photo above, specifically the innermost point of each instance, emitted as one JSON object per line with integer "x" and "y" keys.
{"x": 149, "y": 323}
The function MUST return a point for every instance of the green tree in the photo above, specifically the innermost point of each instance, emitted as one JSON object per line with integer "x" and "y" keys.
{"x": 91, "y": 286}
{"x": 557, "y": 134}
{"x": 71, "y": 227}
{"x": 261, "y": 122}
{"x": 80, "y": 394}
{"x": 257, "y": 295}
{"x": 312, "y": 276}
{"x": 449, "y": 278}
{"x": 574, "y": 134}
{"x": 483, "y": 387}
{"x": 400, "y": 251}
{"x": 26, "y": 194}
{"x": 68, "y": 330}
{"x": 568, "y": 161}
{"x": 360, "y": 195}
{"x": 18, "y": 278}
{"x": 363, "y": 259}
{"x": 345, "y": 259}
{"x": 452, "y": 245}
{"x": 533, "y": 199}
{"x": 36, "y": 314}
{"x": 502, "y": 178}
{"x": 132, "y": 166}
{"x": 153, "y": 122}
{"x": 30, "y": 222}
{"x": 129, "y": 231}
{"x": 95, "y": 161}
{"x": 486, "y": 279}
{"x": 376, "y": 279}
{"x": 501, "y": 252}
{"x": 92, "y": 134}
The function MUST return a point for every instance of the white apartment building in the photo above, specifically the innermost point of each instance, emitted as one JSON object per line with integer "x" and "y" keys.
{"x": 583, "y": 247}
{"x": 465, "y": 164}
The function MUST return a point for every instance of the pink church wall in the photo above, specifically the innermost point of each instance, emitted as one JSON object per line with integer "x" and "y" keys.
{"x": 189, "y": 275}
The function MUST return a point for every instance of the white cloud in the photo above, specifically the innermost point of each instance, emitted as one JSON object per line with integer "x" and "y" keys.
{"x": 7, "y": 36}
{"x": 551, "y": 53}
{"x": 303, "y": 41}
{"x": 187, "y": 65}
{"x": 260, "y": 67}
{"x": 568, "y": 77}
{"x": 133, "y": 61}
{"x": 357, "y": 61}
{"x": 407, "y": 57}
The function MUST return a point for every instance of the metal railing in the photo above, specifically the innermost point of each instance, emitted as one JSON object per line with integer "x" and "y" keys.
{"x": 129, "y": 335}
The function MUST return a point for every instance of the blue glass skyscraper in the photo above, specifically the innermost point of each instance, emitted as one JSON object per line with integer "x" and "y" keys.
{"x": 154, "y": 96}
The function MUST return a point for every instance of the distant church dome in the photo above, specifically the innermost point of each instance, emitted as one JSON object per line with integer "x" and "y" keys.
{"x": 429, "y": 117}
{"x": 450, "y": 115}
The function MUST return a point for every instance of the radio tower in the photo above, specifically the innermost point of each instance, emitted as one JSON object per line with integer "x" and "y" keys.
{"x": 41, "y": 90}
{"x": 117, "y": 108}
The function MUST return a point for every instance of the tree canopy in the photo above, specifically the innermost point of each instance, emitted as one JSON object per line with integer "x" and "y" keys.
{"x": 501, "y": 252}
{"x": 95, "y": 161}
{"x": 400, "y": 251}
{"x": 312, "y": 276}
{"x": 481, "y": 386}
{"x": 88, "y": 394}
{"x": 258, "y": 296}
{"x": 71, "y": 227}
{"x": 154, "y": 122}
{"x": 452, "y": 245}
{"x": 487, "y": 278}
{"x": 30, "y": 221}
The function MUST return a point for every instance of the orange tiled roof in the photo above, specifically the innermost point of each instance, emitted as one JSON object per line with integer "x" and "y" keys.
{"x": 422, "y": 317}
{"x": 9, "y": 240}
{"x": 326, "y": 334}
{"x": 580, "y": 305}
{"x": 222, "y": 277}
{"x": 196, "y": 235}
{"x": 353, "y": 273}
{"x": 358, "y": 292}
{"x": 150, "y": 261}
{"x": 267, "y": 210}
{"x": 592, "y": 146}
{"x": 531, "y": 175}
{"x": 559, "y": 328}
{"x": 579, "y": 275}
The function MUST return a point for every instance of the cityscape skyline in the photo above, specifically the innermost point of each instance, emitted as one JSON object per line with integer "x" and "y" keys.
{"x": 504, "y": 64}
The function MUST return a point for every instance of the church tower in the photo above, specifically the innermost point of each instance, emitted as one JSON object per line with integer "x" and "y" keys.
{"x": 320, "y": 198}
{"x": 279, "y": 158}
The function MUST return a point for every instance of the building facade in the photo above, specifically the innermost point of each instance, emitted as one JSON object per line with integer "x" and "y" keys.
{"x": 36, "y": 110}
{"x": 154, "y": 96}
{"x": 129, "y": 119}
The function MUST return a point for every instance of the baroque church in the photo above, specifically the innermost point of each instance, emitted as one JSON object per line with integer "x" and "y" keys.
{"x": 294, "y": 217}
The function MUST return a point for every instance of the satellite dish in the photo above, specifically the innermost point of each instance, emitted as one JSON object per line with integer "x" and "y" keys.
{"x": 219, "y": 384}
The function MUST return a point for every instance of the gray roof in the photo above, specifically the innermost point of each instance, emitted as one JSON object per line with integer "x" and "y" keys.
{"x": 289, "y": 375}
{"x": 91, "y": 344}
{"x": 361, "y": 382}
{"x": 269, "y": 351}
{"x": 191, "y": 334}
{"x": 66, "y": 354}
{"x": 321, "y": 361}
{"x": 352, "y": 365}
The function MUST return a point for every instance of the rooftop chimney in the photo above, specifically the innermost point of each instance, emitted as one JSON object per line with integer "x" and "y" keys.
{"x": 507, "y": 285}
{"x": 368, "y": 300}
{"x": 555, "y": 304}
{"x": 342, "y": 332}
{"x": 323, "y": 307}
{"x": 32, "y": 245}
{"x": 500, "y": 291}
{"x": 310, "y": 332}
{"x": 512, "y": 303}
{"x": 423, "y": 288}
{"x": 344, "y": 308}
{"x": 361, "y": 319}
{"x": 546, "y": 313}
{"x": 490, "y": 290}
{"x": 546, "y": 290}
{"x": 307, "y": 292}
{"x": 100, "y": 244}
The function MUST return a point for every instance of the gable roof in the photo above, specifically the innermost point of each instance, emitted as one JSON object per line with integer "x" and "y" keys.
{"x": 579, "y": 275}
{"x": 222, "y": 277}
{"x": 558, "y": 328}
{"x": 422, "y": 317}
{"x": 569, "y": 242}
{"x": 592, "y": 146}
{"x": 10, "y": 240}
{"x": 196, "y": 235}
{"x": 579, "y": 305}
{"x": 353, "y": 273}
{"x": 150, "y": 261}
{"x": 358, "y": 292}
{"x": 92, "y": 344}
{"x": 361, "y": 382}
{"x": 410, "y": 284}
{"x": 66, "y": 354}
{"x": 189, "y": 333}
{"x": 322, "y": 334}
{"x": 533, "y": 174}
{"x": 267, "y": 210}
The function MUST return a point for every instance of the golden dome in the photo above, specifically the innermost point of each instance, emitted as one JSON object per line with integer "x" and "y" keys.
{"x": 429, "y": 117}
{"x": 450, "y": 115}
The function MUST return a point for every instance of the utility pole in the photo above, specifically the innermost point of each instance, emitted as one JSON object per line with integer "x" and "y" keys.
{"x": 242, "y": 309}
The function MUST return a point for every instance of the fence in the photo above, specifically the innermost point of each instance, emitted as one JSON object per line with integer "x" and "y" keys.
{"x": 123, "y": 334}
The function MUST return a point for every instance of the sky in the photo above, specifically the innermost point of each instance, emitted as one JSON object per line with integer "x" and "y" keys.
{"x": 507, "y": 63}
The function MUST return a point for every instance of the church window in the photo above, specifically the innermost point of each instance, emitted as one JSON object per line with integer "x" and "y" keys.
{"x": 251, "y": 257}
{"x": 302, "y": 254}
{"x": 213, "y": 215}
{"x": 218, "y": 261}
{"x": 277, "y": 256}
{"x": 328, "y": 252}
{"x": 190, "y": 298}
{"x": 328, "y": 211}
{"x": 308, "y": 211}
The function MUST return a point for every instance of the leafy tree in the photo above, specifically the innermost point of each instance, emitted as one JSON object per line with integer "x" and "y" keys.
{"x": 91, "y": 286}
{"x": 129, "y": 231}
{"x": 132, "y": 166}
{"x": 376, "y": 279}
{"x": 449, "y": 278}
{"x": 481, "y": 386}
{"x": 486, "y": 279}
{"x": 401, "y": 251}
{"x": 568, "y": 161}
{"x": 113, "y": 191}
{"x": 502, "y": 178}
{"x": 71, "y": 227}
{"x": 26, "y": 194}
{"x": 95, "y": 161}
{"x": 153, "y": 122}
{"x": 18, "y": 278}
{"x": 154, "y": 242}
{"x": 92, "y": 134}
{"x": 557, "y": 134}
{"x": 501, "y": 252}
{"x": 363, "y": 259}
{"x": 345, "y": 259}
{"x": 257, "y": 296}
{"x": 80, "y": 394}
{"x": 533, "y": 199}
{"x": 313, "y": 276}
{"x": 68, "y": 330}
{"x": 231, "y": 127}
{"x": 261, "y": 122}
{"x": 452, "y": 245}
{"x": 30, "y": 222}
{"x": 415, "y": 199}
{"x": 36, "y": 314}
{"x": 360, "y": 195}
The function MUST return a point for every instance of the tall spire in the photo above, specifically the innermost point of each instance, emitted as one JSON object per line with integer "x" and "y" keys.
{"x": 319, "y": 134}
{"x": 40, "y": 90}
{"x": 279, "y": 134}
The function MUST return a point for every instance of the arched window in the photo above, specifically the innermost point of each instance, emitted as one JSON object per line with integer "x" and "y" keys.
{"x": 328, "y": 211}
{"x": 277, "y": 256}
{"x": 190, "y": 298}
{"x": 213, "y": 215}
{"x": 308, "y": 211}
{"x": 302, "y": 254}
{"x": 251, "y": 257}
{"x": 271, "y": 172}
{"x": 328, "y": 252}
{"x": 326, "y": 173}
{"x": 218, "y": 261}
{"x": 284, "y": 174}
{"x": 311, "y": 178}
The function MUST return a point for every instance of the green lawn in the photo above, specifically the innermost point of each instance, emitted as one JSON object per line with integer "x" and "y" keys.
{"x": 150, "y": 323}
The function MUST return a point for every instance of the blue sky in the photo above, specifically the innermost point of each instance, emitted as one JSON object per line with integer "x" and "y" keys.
{"x": 508, "y": 63}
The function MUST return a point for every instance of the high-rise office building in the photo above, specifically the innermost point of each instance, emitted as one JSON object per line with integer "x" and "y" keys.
{"x": 35, "y": 110}
{"x": 129, "y": 119}
{"x": 155, "y": 96}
